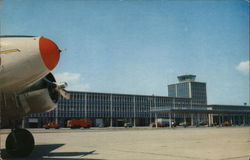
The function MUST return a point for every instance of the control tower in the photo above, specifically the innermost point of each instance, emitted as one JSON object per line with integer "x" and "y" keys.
{"x": 188, "y": 77}
{"x": 187, "y": 87}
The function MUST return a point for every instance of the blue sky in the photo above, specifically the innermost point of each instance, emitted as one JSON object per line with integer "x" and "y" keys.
{"x": 140, "y": 46}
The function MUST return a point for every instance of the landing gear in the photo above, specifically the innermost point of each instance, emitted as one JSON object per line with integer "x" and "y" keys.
{"x": 19, "y": 143}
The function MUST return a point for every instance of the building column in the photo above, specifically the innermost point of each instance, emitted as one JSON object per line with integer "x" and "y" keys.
{"x": 170, "y": 120}
{"x": 237, "y": 119}
{"x": 192, "y": 119}
{"x": 234, "y": 120}
{"x": 85, "y": 105}
{"x": 111, "y": 111}
{"x": 198, "y": 118}
{"x": 210, "y": 122}
{"x": 244, "y": 119}
{"x": 191, "y": 104}
{"x": 212, "y": 116}
{"x": 56, "y": 115}
{"x": 247, "y": 118}
{"x": 156, "y": 124}
{"x": 220, "y": 120}
{"x": 150, "y": 115}
{"x": 185, "y": 120}
{"x": 231, "y": 120}
{"x": 134, "y": 113}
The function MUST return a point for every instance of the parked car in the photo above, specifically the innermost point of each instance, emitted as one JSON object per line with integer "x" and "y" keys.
{"x": 202, "y": 123}
{"x": 128, "y": 125}
{"x": 184, "y": 124}
{"x": 227, "y": 123}
{"x": 51, "y": 125}
{"x": 159, "y": 125}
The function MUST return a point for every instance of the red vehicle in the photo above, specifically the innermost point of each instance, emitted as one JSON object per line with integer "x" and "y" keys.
{"x": 227, "y": 123}
{"x": 158, "y": 125}
{"x": 84, "y": 122}
{"x": 51, "y": 125}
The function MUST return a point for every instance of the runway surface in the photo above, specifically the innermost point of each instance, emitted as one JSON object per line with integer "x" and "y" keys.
{"x": 204, "y": 143}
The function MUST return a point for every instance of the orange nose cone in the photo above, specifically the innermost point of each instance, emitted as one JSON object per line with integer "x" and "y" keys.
{"x": 49, "y": 52}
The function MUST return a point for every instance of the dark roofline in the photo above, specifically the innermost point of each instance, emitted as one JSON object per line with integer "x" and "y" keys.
{"x": 128, "y": 94}
{"x": 200, "y": 111}
{"x": 187, "y": 82}
{"x": 226, "y": 105}
{"x": 186, "y": 75}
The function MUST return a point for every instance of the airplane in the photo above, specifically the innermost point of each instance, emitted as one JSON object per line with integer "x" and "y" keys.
{"x": 27, "y": 86}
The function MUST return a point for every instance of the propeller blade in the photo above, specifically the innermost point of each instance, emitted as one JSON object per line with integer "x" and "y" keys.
{"x": 64, "y": 93}
{"x": 60, "y": 88}
{"x": 61, "y": 85}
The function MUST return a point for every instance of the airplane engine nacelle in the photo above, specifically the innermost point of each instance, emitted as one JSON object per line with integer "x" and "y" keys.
{"x": 25, "y": 60}
{"x": 37, "y": 101}
{"x": 41, "y": 97}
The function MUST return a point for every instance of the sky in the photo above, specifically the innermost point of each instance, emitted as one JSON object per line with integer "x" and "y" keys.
{"x": 141, "y": 46}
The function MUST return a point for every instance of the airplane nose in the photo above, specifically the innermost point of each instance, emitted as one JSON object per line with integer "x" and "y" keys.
{"x": 50, "y": 53}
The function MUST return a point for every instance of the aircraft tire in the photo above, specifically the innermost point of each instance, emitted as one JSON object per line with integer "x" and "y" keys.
{"x": 19, "y": 143}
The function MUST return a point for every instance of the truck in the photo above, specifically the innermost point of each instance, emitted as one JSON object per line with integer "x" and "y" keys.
{"x": 84, "y": 122}
{"x": 51, "y": 125}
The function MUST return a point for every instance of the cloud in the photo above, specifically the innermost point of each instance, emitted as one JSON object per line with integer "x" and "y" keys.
{"x": 66, "y": 76}
{"x": 243, "y": 67}
{"x": 79, "y": 87}
{"x": 74, "y": 80}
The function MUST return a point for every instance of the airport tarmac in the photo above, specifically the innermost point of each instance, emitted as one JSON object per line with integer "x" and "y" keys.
{"x": 204, "y": 143}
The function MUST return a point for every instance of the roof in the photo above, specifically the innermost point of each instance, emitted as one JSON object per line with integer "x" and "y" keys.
{"x": 187, "y": 77}
{"x": 205, "y": 111}
{"x": 125, "y": 94}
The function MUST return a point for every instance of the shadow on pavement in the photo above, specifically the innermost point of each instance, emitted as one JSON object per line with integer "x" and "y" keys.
{"x": 44, "y": 152}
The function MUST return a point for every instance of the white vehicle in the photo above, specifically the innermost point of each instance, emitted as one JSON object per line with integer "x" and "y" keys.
{"x": 128, "y": 125}
{"x": 26, "y": 86}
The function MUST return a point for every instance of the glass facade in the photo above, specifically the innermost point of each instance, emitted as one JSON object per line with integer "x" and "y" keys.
{"x": 116, "y": 106}
{"x": 116, "y": 109}
{"x": 90, "y": 104}
{"x": 172, "y": 90}
{"x": 199, "y": 92}
{"x": 183, "y": 90}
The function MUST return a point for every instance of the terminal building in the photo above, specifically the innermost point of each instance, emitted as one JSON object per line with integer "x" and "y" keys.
{"x": 186, "y": 102}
